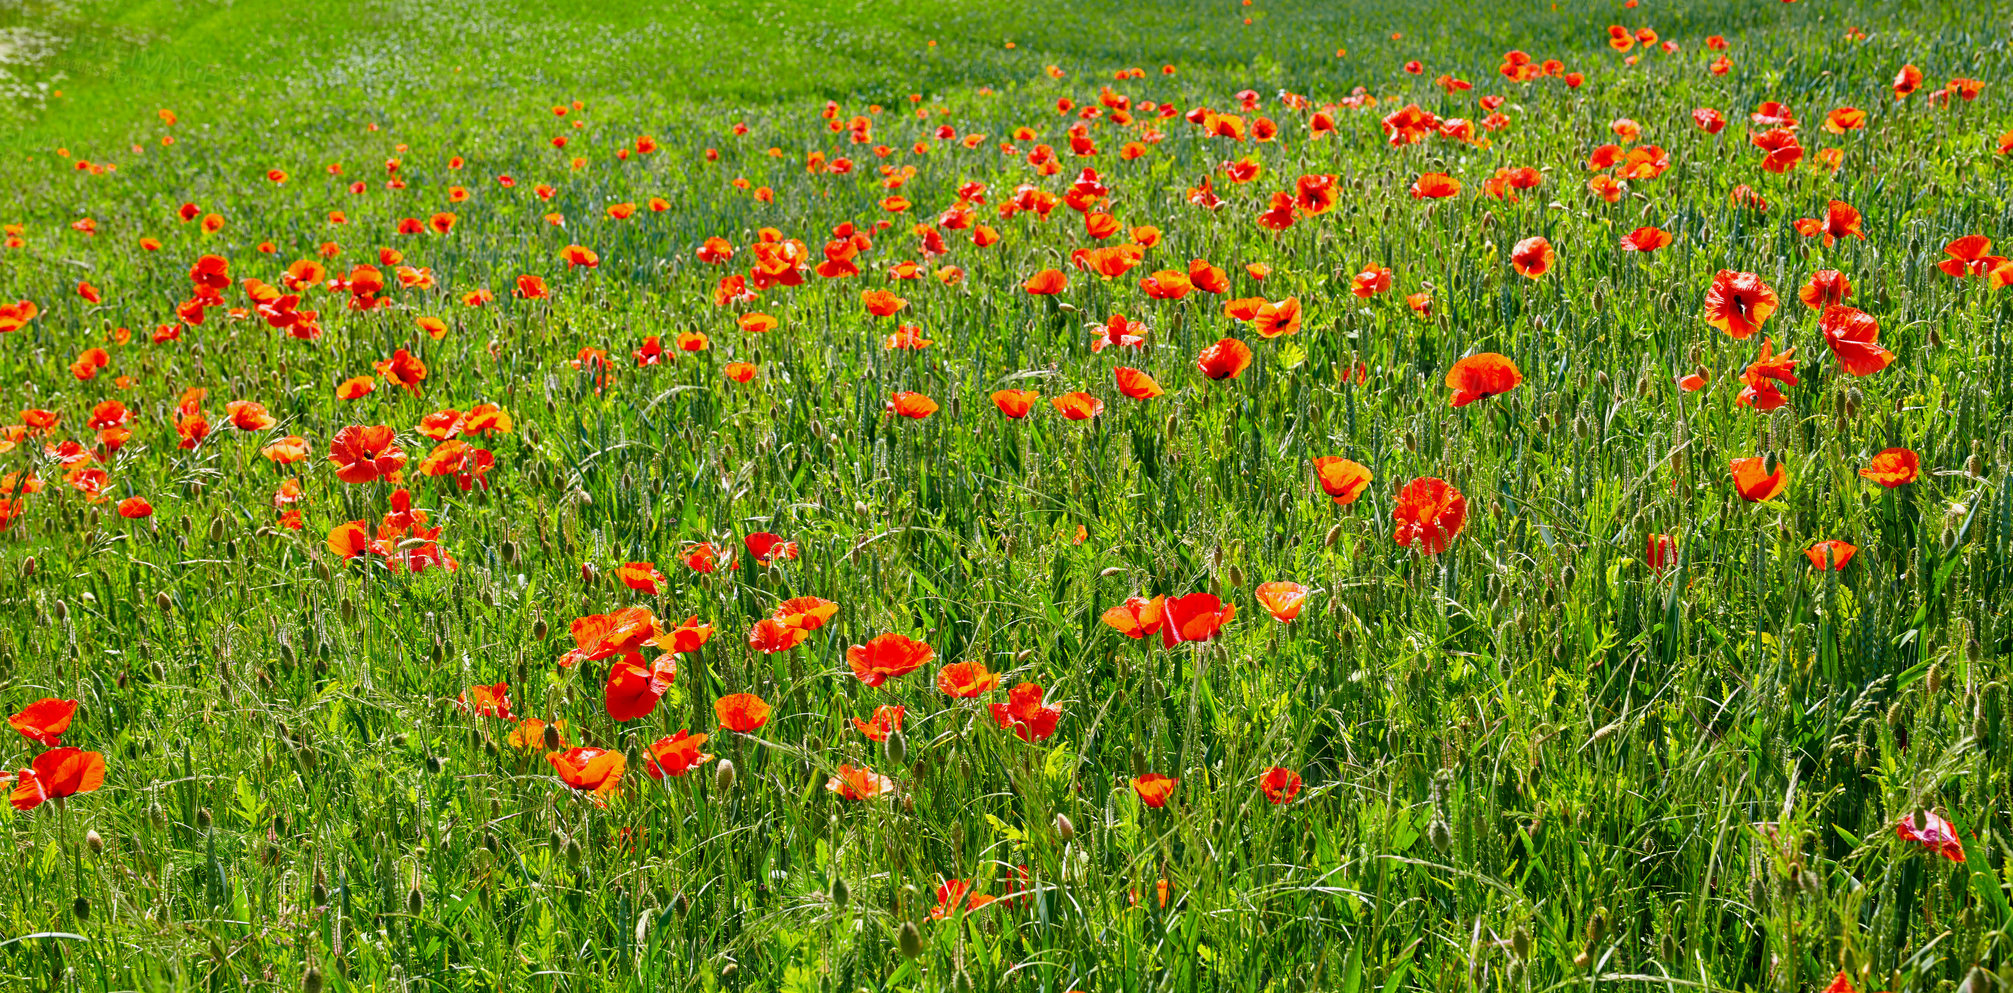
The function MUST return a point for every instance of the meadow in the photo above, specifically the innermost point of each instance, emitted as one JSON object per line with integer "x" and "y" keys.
{"x": 831, "y": 496}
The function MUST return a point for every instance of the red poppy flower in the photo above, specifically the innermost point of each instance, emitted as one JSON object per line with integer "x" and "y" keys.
{"x": 743, "y": 712}
{"x": 887, "y": 719}
{"x": 1341, "y": 478}
{"x": 914, "y": 406}
{"x": 1738, "y": 303}
{"x": 576, "y": 256}
{"x": 1276, "y": 319}
{"x": 44, "y": 721}
{"x": 767, "y": 548}
{"x": 620, "y": 632}
{"x": 1893, "y": 467}
{"x": 1480, "y": 376}
{"x": 1137, "y": 617}
{"x": 1154, "y": 789}
{"x": 634, "y": 687}
{"x": 1825, "y": 288}
{"x": 593, "y": 770}
{"x": 57, "y": 773}
{"x": 1532, "y": 257}
{"x": 1047, "y": 282}
{"x": 362, "y": 454}
{"x": 1435, "y": 185}
{"x": 882, "y": 303}
{"x": 1135, "y": 384}
{"x": 1227, "y": 359}
{"x": 1759, "y": 390}
{"x": 1753, "y": 481}
{"x": 771, "y": 635}
{"x": 1645, "y": 239}
{"x": 1429, "y": 512}
{"x": 1660, "y": 552}
{"x": 1969, "y": 256}
{"x": 1931, "y": 832}
{"x": 1830, "y": 555}
{"x": 965, "y": 680}
{"x": 859, "y": 783}
{"x": 642, "y": 577}
{"x": 1279, "y": 785}
{"x": 1195, "y": 617}
{"x": 1025, "y": 715}
{"x": 1851, "y": 335}
{"x": 888, "y": 656}
{"x": 676, "y": 755}
{"x": 1907, "y": 81}
{"x": 1078, "y": 406}
{"x": 1015, "y": 403}
{"x": 1283, "y": 599}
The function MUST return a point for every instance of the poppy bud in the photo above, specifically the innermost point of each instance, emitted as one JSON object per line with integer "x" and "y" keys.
{"x": 910, "y": 940}
{"x": 1020, "y": 658}
{"x": 1974, "y": 466}
{"x": 1110, "y": 571}
{"x": 1935, "y": 683}
{"x": 958, "y": 836}
{"x": 1520, "y": 943}
{"x": 62, "y": 611}
{"x": 157, "y": 816}
{"x": 28, "y": 567}
{"x": 433, "y": 764}
{"x": 311, "y": 982}
{"x": 1139, "y": 766}
{"x": 551, "y": 741}
{"x": 587, "y": 574}
{"x": 203, "y": 819}
{"x": 95, "y": 842}
{"x": 897, "y": 748}
{"x": 319, "y": 893}
{"x": 1440, "y": 835}
{"x": 1063, "y": 828}
{"x": 723, "y": 776}
{"x": 841, "y": 894}
{"x": 81, "y": 908}
{"x": 538, "y": 629}
{"x": 860, "y": 508}
{"x": 573, "y": 852}
{"x": 415, "y": 901}
{"x": 348, "y": 610}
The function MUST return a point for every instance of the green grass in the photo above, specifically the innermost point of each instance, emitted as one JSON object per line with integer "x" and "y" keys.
{"x": 1531, "y": 763}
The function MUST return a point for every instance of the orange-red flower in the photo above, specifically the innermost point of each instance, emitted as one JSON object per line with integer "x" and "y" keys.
{"x": 620, "y": 632}
{"x": 57, "y": 773}
{"x": 593, "y": 770}
{"x": 487, "y": 701}
{"x": 1435, "y": 185}
{"x": 1025, "y": 715}
{"x": 1429, "y": 513}
{"x": 1480, "y": 376}
{"x": 1137, "y": 617}
{"x": 362, "y": 454}
{"x": 1646, "y": 240}
{"x": 642, "y": 577}
{"x": 1078, "y": 406}
{"x": 1279, "y": 785}
{"x": 1738, "y": 303}
{"x": 1341, "y": 478}
{"x": 914, "y": 406}
{"x": 44, "y": 721}
{"x": 1754, "y": 482}
{"x": 888, "y": 656}
{"x": 1276, "y": 319}
{"x": 1931, "y": 832}
{"x": 1825, "y": 288}
{"x": 1195, "y": 617}
{"x": 743, "y": 712}
{"x": 966, "y": 679}
{"x": 1047, "y": 282}
{"x": 1282, "y": 599}
{"x": 676, "y": 755}
{"x": 1015, "y": 403}
{"x": 1830, "y": 556}
{"x": 1852, "y": 335}
{"x": 1154, "y": 789}
{"x": 1227, "y": 359}
{"x": 1969, "y": 256}
{"x": 1135, "y": 384}
{"x": 1893, "y": 467}
{"x": 806, "y": 613}
{"x": 859, "y": 783}
{"x": 1532, "y": 257}
{"x": 767, "y": 548}
{"x": 771, "y": 635}
{"x": 887, "y": 719}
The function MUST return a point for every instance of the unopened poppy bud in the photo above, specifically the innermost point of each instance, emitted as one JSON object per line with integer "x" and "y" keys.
{"x": 958, "y": 836}
{"x": 1328, "y": 540}
{"x": 1063, "y": 828}
{"x": 1520, "y": 943}
{"x": 841, "y": 893}
{"x": 349, "y": 610}
{"x": 95, "y": 842}
{"x": 897, "y": 748}
{"x": 1110, "y": 571}
{"x": 415, "y": 901}
{"x": 723, "y": 776}
{"x": 161, "y": 601}
{"x": 910, "y": 940}
{"x": 538, "y": 629}
{"x": 62, "y": 610}
{"x": 433, "y": 764}
{"x": 311, "y": 982}
{"x": 203, "y": 819}
{"x": 319, "y": 893}
{"x": 1139, "y": 767}
{"x": 551, "y": 741}
{"x": 860, "y": 508}
{"x": 28, "y": 566}
{"x": 587, "y": 575}
{"x": 1440, "y": 835}
{"x": 81, "y": 908}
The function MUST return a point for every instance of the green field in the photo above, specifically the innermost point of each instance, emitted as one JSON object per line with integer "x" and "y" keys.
{"x": 1601, "y": 719}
